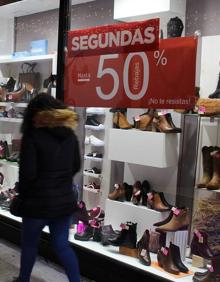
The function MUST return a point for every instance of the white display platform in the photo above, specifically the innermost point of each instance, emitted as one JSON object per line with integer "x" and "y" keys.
{"x": 119, "y": 212}
{"x": 112, "y": 252}
{"x": 144, "y": 147}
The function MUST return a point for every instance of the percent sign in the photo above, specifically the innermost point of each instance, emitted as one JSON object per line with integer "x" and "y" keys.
{"x": 161, "y": 59}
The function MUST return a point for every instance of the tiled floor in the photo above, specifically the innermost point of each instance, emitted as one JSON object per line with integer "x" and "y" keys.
{"x": 43, "y": 271}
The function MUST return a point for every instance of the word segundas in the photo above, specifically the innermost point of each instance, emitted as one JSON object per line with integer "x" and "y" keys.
{"x": 111, "y": 39}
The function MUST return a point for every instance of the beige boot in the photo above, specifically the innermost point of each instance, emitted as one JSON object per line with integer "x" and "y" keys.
{"x": 118, "y": 193}
{"x": 207, "y": 166}
{"x": 120, "y": 121}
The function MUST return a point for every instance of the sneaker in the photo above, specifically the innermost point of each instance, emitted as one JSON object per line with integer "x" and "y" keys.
{"x": 92, "y": 123}
{"x": 94, "y": 155}
{"x": 96, "y": 142}
{"x": 96, "y": 111}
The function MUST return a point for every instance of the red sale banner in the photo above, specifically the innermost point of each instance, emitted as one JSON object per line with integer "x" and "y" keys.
{"x": 116, "y": 38}
{"x": 164, "y": 78}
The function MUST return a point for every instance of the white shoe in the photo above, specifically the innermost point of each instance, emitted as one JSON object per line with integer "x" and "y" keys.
{"x": 95, "y": 141}
{"x": 87, "y": 140}
{"x": 95, "y": 127}
{"x": 96, "y": 111}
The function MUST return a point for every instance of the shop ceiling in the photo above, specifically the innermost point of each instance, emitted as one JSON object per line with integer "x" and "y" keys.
{"x": 27, "y": 7}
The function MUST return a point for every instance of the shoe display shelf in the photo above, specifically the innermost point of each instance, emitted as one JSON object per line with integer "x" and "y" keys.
{"x": 46, "y": 64}
{"x": 12, "y": 120}
{"x": 208, "y": 135}
{"x": 143, "y": 147}
{"x": 112, "y": 253}
{"x": 96, "y": 139}
{"x": 16, "y": 105}
{"x": 117, "y": 212}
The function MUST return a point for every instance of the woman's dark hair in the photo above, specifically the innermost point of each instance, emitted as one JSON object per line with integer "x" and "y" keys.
{"x": 41, "y": 102}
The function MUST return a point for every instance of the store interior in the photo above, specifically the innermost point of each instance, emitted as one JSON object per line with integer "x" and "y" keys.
{"x": 148, "y": 188}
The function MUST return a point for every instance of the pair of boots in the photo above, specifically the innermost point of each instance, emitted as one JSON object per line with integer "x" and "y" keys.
{"x": 151, "y": 121}
{"x": 211, "y": 168}
{"x": 170, "y": 260}
{"x": 130, "y": 192}
{"x": 178, "y": 219}
{"x": 156, "y": 121}
{"x": 212, "y": 275}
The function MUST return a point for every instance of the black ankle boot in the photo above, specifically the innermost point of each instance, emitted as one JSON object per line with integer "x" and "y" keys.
{"x": 216, "y": 94}
{"x": 127, "y": 237}
{"x": 128, "y": 191}
{"x": 175, "y": 253}
{"x": 145, "y": 189}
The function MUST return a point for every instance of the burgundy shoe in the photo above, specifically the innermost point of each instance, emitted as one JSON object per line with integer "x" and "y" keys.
{"x": 143, "y": 248}
{"x": 199, "y": 245}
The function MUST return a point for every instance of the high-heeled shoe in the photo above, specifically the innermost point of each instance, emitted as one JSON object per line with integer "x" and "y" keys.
{"x": 136, "y": 195}
{"x": 16, "y": 96}
{"x": 120, "y": 121}
{"x": 161, "y": 124}
{"x": 170, "y": 120}
{"x": 143, "y": 121}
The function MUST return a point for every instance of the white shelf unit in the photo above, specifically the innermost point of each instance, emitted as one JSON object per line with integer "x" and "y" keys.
{"x": 117, "y": 212}
{"x": 41, "y": 58}
{"x": 46, "y": 65}
{"x": 143, "y": 147}
{"x": 113, "y": 253}
{"x": 16, "y": 105}
{"x": 12, "y": 120}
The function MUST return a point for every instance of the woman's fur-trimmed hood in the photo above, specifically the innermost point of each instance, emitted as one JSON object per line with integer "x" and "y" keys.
{"x": 56, "y": 118}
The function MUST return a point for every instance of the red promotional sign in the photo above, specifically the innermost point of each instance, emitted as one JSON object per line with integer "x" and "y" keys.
{"x": 116, "y": 38}
{"x": 164, "y": 78}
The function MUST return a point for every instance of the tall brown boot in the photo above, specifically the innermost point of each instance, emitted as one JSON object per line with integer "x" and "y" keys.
{"x": 207, "y": 164}
{"x": 120, "y": 121}
{"x": 214, "y": 183}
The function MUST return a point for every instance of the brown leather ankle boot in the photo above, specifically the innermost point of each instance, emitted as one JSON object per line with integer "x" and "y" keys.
{"x": 120, "y": 121}
{"x": 214, "y": 183}
{"x": 118, "y": 193}
{"x": 161, "y": 124}
{"x": 207, "y": 164}
{"x": 166, "y": 262}
{"x": 179, "y": 221}
{"x": 155, "y": 202}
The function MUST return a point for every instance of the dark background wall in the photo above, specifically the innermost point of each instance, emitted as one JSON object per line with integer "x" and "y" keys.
{"x": 203, "y": 15}
{"x": 45, "y": 25}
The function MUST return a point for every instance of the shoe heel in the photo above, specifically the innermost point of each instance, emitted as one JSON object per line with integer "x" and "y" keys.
{"x": 199, "y": 262}
{"x": 128, "y": 252}
{"x": 115, "y": 126}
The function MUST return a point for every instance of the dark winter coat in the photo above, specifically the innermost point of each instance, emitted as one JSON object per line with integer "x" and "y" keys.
{"x": 49, "y": 159}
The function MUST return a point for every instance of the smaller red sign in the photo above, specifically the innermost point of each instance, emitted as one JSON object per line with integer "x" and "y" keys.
{"x": 116, "y": 38}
